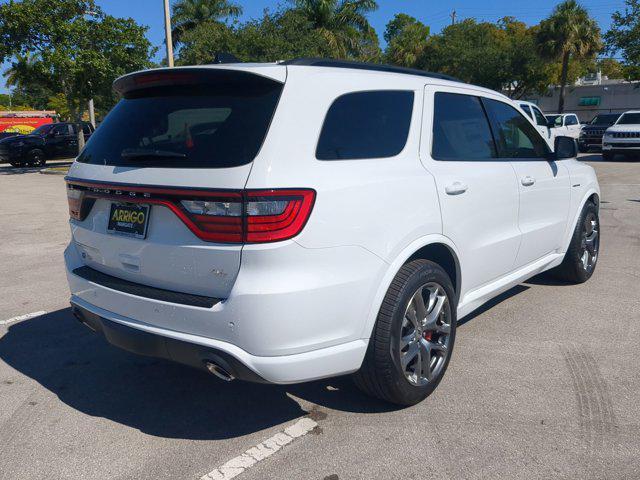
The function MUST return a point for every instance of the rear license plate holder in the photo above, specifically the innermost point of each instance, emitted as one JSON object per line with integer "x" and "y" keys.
{"x": 128, "y": 219}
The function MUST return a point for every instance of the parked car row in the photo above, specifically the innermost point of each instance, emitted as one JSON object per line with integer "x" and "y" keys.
{"x": 613, "y": 133}
{"x": 49, "y": 141}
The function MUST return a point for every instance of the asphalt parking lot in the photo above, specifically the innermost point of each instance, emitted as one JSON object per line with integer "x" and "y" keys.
{"x": 544, "y": 382}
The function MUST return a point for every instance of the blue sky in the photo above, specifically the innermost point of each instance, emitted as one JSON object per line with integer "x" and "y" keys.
{"x": 434, "y": 14}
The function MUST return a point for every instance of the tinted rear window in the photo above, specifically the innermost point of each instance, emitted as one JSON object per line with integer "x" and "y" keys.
{"x": 366, "y": 125}
{"x": 217, "y": 125}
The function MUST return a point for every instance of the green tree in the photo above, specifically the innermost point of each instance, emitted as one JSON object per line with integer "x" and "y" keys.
{"x": 29, "y": 82}
{"x": 568, "y": 33}
{"x": 77, "y": 48}
{"x": 187, "y": 15}
{"x": 344, "y": 26}
{"x": 396, "y": 25}
{"x": 624, "y": 37}
{"x": 406, "y": 40}
{"x": 524, "y": 71}
{"x": 199, "y": 45}
{"x": 275, "y": 36}
{"x": 471, "y": 51}
{"x": 611, "y": 67}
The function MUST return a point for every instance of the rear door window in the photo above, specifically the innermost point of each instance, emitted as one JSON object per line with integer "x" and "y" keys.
{"x": 515, "y": 136}
{"x": 460, "y": 129}
{"x": 217, "y": 125}
{"x": 571, "y": 120}
{"x": 366, "y": 125}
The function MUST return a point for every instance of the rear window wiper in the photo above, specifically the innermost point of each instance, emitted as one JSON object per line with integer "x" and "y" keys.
{"x": 147, "y": 152}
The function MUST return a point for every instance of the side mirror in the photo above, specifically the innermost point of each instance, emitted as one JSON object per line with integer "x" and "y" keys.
{"x": 564, "y": 147}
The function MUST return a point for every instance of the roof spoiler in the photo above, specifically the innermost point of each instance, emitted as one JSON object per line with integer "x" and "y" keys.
{"x": 185, "y": 77}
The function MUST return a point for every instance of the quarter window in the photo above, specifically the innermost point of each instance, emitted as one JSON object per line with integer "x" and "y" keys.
{"x": 460, "y": 129}
{"x": 366, "y": 125}
{"x": 515, "y": 136}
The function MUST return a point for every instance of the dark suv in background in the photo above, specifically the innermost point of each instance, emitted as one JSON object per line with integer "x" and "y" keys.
{"x": 53, "y": 140}
{"x": 591, "y": 134}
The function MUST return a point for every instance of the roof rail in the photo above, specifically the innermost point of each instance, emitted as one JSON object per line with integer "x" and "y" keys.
{"x": 377, "y": 67}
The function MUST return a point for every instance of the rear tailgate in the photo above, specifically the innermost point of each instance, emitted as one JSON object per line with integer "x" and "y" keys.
{"x": 153, "y": 194}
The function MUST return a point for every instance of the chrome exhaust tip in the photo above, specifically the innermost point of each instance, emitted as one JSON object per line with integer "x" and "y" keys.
{"x": 219, "y": 371}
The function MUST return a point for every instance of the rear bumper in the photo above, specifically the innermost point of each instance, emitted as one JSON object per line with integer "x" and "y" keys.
{"x": 293, "y": 314}
{"x": 196, "y": 351}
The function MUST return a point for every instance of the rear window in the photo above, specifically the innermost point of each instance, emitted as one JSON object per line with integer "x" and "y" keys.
{"x": 214, "y": 125}
{"x": 366, "y": 125}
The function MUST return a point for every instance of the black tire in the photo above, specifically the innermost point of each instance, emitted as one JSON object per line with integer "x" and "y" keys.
{"x": 607, "y": 156}
{"x": 573, "y": 268}
{"x": 382, "y": 374}
{"x": 36, "y": 158}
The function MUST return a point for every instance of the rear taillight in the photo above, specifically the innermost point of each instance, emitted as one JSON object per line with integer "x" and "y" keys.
{"x": 247, "y": 216}
{"x": 273, "y": 215}
{"x": 79, "y": 205}
{"x": 257, "y": 216}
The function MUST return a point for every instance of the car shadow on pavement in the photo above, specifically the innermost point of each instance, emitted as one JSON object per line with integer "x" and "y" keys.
{"x": 597, "y": 157}
{"x": 158, "y": 397}
{"x": 493, "y": 302}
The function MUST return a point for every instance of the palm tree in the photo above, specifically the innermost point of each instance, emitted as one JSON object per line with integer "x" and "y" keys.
{"x": 568, "y": 33}
{"x": 342, "y": 23}
{"x": 188, "y": 14}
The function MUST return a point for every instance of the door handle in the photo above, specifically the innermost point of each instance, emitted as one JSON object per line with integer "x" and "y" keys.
{"x": 456, "y": 188}
{"x": 528, "y": 181}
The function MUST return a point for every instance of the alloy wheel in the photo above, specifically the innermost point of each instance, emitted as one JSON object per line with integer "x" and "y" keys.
{"x": 590, "y": 242}
{"x": 425, "y": 334}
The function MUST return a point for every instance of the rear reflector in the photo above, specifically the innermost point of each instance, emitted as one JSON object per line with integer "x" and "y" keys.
{"x": 241, "y": 216}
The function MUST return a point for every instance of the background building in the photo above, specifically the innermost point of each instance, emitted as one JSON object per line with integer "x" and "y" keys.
{"x": 591, "y": 95}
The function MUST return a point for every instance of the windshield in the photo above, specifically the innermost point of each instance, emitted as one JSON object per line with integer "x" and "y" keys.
{"x": 200, "y": 126}
{"x": 43, "y": 129}
{"x": 608, "y": 119}
{"x": 629, "y": 119}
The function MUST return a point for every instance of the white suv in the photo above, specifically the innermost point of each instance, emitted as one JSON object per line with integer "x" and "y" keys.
{"x": 623, "y": 137}
{"x": 288, "y": 222}
{"x": 566, "y": 124}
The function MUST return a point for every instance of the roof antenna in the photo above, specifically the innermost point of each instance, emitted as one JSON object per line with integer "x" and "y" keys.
{"x": 224, "y": 57}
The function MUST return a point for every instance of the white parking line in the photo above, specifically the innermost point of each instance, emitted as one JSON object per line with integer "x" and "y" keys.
{"x": 237, "y": 465}
{"x": 26, "y": 316}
